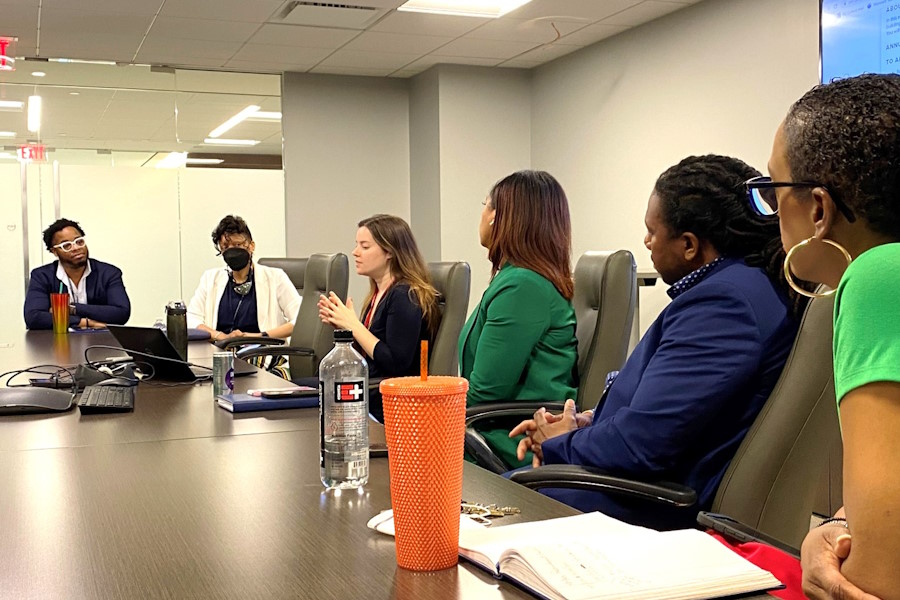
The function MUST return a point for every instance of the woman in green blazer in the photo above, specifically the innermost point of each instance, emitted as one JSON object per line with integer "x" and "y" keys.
{"x": 519, "y": 343}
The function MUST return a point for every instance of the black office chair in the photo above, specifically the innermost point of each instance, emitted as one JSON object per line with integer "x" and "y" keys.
{"x": 604, "y": 303}
{"x": 786, "y": 468}
{"x": 311, "y": 339}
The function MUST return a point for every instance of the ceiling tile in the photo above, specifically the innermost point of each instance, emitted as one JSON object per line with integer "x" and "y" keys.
{"x": 368, "y": 60}
{"x": 526, "y": 30}
{"x": 249, "y": 11}
{"x": 357, "y": 71}
{"x": 120, "y": 7}
{"x": 19, "y": 20}
{"x": 546, "y": 53}
{"x": 155, "y": 46}
{"x": 87, "y": 24}
{"x": 484, "y": 48}
{"x": 642, "y": 13}
{"x": 281, "y": 54}
{"x": 108, "y": 46}
{"x": 521, "y": 63}
{"x": 593, "y": 10}
{"x": 262, "y": 67}
{"x": 426, "y": 62}
{"x": 378, "y": 3}
{"x": 395, "y": 42}
{"x": 304, "y": 37}
{"x": 592, "y": 34}
{"x": 202, "y": 29}
{"x": 426, "y": 24}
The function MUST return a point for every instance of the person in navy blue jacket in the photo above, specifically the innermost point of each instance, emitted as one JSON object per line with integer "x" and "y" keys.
{"x": 96, "y": 293}
{"x": 689, "y": 392}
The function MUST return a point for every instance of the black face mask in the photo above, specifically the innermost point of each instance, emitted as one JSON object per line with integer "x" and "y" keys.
{"x": 236, "y": 258}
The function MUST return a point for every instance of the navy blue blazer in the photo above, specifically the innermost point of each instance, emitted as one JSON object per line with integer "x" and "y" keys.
{"x": 107, "y": 300}
{"x": 687, "y": 394}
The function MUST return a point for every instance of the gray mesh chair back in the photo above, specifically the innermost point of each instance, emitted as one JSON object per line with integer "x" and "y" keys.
{"x": 451, "y": 279}
{"x": 788, "y": 466}
{"x": 604, "y": 301}
{"x": 324, "y": 273}
{"x": 294, "y": 267}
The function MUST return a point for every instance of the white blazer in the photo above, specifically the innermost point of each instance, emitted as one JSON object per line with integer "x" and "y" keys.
{"x": 277, "y": 300}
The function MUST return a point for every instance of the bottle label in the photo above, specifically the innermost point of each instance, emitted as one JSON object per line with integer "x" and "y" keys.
{"x": 352, "y": 391}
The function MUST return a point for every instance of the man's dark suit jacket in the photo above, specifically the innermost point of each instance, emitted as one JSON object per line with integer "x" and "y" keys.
{"x": 107, "y": 300}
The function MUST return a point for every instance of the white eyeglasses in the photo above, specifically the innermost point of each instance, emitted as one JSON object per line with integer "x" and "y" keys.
{"x": 69, "y": 246}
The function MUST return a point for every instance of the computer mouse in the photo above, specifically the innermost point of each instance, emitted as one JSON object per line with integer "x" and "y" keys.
{"x": 118, "y": 381}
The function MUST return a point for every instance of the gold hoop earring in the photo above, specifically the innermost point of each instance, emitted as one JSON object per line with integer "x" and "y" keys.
{"x": 491, "y": 223}
{"x": 789, "y": 276}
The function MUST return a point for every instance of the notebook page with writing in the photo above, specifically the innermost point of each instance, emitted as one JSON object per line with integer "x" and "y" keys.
{"x": 678, "y": 565}
{"x": 485, "y": 546}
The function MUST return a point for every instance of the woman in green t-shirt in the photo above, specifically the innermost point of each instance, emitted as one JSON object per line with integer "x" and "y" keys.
{"x": 835, "y": 184}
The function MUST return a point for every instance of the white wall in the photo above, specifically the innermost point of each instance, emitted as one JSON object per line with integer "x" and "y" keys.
{"x": 716, "y": 77}
{"x": 207, "y": 195}
{"x": 154, "y": 224}
{"x": 11, "y": 267}
{"x": 346, "y": 157}
{"x": 485, "y": 134}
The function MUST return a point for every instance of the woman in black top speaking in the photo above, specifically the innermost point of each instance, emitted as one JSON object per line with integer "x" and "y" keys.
{"x": 401, "y": 307}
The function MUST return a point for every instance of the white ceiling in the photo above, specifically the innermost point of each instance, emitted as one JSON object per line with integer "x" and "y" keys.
{"x": 250, "y": 35}
{"x": 131, "y": 107}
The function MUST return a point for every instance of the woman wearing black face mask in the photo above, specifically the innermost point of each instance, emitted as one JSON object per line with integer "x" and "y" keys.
{"x": 244, "y": 298}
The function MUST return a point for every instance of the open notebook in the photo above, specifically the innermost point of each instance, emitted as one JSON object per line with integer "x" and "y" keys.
{"x": 592, "y": 556}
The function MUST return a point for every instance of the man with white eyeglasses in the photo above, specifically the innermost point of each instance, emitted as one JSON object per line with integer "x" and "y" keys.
{"x": 96, "y": 293}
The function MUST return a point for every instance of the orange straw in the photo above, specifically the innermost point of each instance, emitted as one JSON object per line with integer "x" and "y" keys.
{"x": 423, "y": 361}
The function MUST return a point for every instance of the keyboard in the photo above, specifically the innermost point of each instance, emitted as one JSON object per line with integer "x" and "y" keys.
{"x": 106, "y": 398}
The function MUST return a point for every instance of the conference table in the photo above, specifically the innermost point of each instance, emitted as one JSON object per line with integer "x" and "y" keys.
{"x": 182, "y": 499}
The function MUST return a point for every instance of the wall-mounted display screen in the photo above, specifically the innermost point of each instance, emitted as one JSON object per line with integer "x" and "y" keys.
{"x": 860, "y": 36}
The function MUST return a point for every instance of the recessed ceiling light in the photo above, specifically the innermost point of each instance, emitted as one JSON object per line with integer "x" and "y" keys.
{"x": 38, "y": 74}
{"x": 7, "y": 134}
{"x": 74, "y": 93}
{"x": 233, "y": 121}
{"x": 205, "y": 161}
{"x": 34, "y": 113}
{"x": 7, "y": 155}
{"x": 172, "y": 160}
{"x": 464, "y": 8}
{"x": 11, "y": 104}
{"x": 228, "y": 142}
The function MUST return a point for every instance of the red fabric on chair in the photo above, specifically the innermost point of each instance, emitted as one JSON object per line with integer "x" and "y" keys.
{"x": 780, "y": 564}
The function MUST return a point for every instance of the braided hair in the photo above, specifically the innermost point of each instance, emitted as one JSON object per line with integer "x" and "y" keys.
{"x": 705, "y": 195}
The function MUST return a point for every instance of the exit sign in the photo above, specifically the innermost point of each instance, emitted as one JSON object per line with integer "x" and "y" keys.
{"x": 8, "y": 53}
{"x": 33, "y": 152}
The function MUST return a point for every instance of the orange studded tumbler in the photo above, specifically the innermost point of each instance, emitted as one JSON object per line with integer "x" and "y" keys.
{"x": 424, "y": 424}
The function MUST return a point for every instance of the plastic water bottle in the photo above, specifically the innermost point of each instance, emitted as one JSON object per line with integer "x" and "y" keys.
{"x": 343, "y": 415}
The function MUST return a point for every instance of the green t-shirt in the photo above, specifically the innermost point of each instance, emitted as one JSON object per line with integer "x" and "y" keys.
{"x": 867, "y": 321}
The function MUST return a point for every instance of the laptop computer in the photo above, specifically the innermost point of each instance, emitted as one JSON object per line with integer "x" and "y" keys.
{"x": 168, "y": 366}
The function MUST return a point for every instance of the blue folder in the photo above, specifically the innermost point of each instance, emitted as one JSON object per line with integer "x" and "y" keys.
{"x": 238, "y": 403}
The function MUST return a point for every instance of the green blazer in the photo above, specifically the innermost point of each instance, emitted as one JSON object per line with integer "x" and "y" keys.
{"x": 518, "y": 345}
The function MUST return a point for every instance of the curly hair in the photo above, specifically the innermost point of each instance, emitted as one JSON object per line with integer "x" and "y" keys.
{"x": 845, "y": 135}
{"x": 532, "y": 228}
{"x": 57, "y": 226}
{"x": 230, "y": 225}
{"x": 704, "y": 195}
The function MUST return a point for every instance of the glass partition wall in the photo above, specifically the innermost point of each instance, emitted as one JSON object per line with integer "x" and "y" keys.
{"x": 133, "y": 154}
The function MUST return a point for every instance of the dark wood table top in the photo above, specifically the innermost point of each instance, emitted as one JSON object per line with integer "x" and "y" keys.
{"x": 181, "y": 499}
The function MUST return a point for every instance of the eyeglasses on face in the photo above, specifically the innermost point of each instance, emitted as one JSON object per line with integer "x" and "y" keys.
{"x": 70, "y": 246}
{"x": 230, "y": 243}
{"x": 764, "y": 201}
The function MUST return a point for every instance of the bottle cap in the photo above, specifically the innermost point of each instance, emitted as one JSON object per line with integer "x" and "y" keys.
{"x": 176, "y": 307}
{"x": 343, "y": 335}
